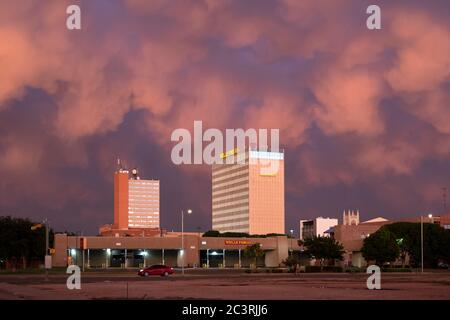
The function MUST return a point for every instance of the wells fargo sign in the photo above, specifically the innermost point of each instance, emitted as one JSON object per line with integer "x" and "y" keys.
{"x": 238, "y": 242}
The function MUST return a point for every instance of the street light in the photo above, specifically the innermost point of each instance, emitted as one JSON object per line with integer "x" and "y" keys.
{"x": 189, "y": 211}
{"x": 292, "y": 235}
{"x": 430, "y": 216}
{"x": 46, "y": 257}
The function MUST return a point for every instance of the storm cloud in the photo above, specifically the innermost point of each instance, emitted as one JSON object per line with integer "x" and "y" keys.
{"x": 363, "y": 115}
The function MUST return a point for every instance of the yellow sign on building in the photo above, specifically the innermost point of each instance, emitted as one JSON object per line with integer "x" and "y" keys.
{"x": 238, "y": 242}
{"x": 229, "y": 153}
{"x": 268, "y": 174}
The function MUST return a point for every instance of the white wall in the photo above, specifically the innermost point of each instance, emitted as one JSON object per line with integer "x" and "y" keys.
{"x": 323, "y": 224}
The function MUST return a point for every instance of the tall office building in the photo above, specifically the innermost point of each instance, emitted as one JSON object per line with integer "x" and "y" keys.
{"x": 248, "y": 196}
{"x": 136, "y": 201}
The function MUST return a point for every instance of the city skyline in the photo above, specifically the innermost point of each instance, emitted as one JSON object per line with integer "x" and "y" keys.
{"x": 362, "y": 113}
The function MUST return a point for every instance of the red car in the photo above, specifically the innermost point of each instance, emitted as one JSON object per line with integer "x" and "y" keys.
{"x": 157, "y": 269}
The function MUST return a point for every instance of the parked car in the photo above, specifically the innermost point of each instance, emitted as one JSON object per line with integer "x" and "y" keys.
{"x": 157, "y": 269}
{"x": 442, "y": 265}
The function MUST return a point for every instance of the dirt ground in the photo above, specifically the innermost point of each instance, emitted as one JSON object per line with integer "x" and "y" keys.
{"x": 228, "y": 286}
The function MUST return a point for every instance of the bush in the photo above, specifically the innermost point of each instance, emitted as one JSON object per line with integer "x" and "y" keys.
{"x": 291, "y": 262}
{"x": 354, "y": 269}
{"x": 333, "y": 269}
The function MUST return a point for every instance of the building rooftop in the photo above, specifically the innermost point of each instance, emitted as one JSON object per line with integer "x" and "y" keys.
{"x": 377, "y": 219}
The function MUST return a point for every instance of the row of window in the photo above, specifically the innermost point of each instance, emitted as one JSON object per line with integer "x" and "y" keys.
{"x": 155, "y": 213}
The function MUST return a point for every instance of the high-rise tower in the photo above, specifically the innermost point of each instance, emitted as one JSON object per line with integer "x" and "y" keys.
{"x": 136, "y": 201}
{"x": 248, "y": 196}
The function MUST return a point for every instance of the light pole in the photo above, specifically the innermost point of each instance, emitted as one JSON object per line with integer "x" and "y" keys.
{"x": 46, "y": 236}
{"x": 421, "y": 238}
{"x": 189, "y": 211}
{"x": 292, "y": 235}
{"x": 46, "y": 248}
{"x": 47, "y": 261}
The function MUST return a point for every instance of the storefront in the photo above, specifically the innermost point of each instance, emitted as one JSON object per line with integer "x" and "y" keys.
{"x": 136, "y": 252}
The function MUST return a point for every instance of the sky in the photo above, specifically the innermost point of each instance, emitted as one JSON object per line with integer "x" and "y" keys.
{"x": 364, "y": 115}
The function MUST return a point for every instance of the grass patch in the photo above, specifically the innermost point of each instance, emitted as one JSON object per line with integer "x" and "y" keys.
{"x": 396, "y": 270}
{"x": 314, "y": 269}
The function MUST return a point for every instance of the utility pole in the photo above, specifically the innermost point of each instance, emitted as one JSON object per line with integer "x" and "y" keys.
{"x": 84, "y": 247}
{"x": 189, "y": 211}
{"x": 421, "y": 243}
{"x": 46, "y": 237}
{"x": 430, "y": 216}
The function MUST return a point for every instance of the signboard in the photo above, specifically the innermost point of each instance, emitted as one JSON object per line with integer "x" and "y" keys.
{"x": 268, "y": 174}
{"x": 238, "y": 242}
{"x": 48, "y": 262}
{"x": 227, "y": 154}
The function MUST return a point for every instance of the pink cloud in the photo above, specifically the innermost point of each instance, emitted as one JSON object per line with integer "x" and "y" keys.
{"x": 291, "y": 65}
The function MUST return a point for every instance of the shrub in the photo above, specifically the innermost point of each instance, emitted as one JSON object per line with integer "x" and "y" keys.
{"x": 354, "y": 269}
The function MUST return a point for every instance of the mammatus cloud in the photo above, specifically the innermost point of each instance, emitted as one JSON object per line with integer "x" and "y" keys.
{"x": 354, "y": 106}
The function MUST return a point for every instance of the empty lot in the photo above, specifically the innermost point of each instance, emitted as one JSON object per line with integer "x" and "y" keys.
{"x": 227, "y": 286}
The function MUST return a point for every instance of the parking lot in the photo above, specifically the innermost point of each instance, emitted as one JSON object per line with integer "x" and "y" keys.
{"x": 227, "y": 286}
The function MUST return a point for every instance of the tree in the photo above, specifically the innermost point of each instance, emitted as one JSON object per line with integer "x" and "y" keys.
{"x": 211, "y": 233}
{"x": 19, "y": 242}
{"x": 323, "y": 248}
{"x": 436, "y": 242}
{"x": 380, "y": 247}
{"x": 291, "y": 262}
{"x": 403, "y": 250}
{"x": 254, "y": 251}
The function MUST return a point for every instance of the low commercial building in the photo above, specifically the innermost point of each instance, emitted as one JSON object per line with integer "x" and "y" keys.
{"x": 445, "y": 221}
{"x": 352, "y": 236}
{"x": 135, "y": 252}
